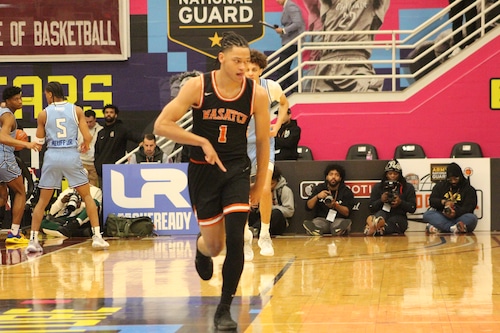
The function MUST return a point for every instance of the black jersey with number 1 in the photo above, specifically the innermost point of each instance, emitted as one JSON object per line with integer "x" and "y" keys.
{"x": 223, "y": 121}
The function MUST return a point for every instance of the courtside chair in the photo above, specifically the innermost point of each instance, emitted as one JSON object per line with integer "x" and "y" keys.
{"x": 359, "y": 151}
{"x": 466, "y": 149}
{"x": 305, "y": 154}
{"x": 409, "y": 150}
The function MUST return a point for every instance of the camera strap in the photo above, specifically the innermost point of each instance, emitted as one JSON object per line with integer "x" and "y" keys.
{"x": 332, "y": 213}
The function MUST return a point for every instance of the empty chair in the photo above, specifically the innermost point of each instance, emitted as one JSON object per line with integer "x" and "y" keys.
{"x": 409, "y": 150}
{"x": 305, "y": 153}
{"x": 466, "y": 149}
{"x": 359, "y": 152}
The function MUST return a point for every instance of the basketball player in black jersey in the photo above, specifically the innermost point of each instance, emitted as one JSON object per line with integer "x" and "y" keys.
{"x": 219, "y": 169}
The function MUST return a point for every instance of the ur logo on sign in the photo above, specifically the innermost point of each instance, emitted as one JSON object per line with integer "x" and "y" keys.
{"x": 199, "y": 25}
{"x": 158, "y": 182}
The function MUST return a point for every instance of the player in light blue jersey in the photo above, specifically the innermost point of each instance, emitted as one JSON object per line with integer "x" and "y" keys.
{"x": 258, "y": 62}
{"x": 10, "y": 173}
{"x": 58, "y": 126}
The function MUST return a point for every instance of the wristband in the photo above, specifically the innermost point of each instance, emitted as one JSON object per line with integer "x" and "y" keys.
{"x": 40, "y": 141}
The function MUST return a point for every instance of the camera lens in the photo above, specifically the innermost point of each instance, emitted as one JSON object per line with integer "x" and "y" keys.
{"x": 72, "y": 202}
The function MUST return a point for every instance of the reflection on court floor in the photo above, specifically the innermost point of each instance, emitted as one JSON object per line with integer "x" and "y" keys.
{"x": 312, "y": 284}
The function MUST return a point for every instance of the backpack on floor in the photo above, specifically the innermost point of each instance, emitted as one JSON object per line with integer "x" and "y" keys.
{"x": 119, "y": 226}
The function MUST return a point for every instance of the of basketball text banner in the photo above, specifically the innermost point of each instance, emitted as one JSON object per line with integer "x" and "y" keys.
{"x": 159, "y": 191}
{"x": 58, "y": 30}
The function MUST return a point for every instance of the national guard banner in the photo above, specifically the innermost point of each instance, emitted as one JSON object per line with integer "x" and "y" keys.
{"x": 199, "y": 25}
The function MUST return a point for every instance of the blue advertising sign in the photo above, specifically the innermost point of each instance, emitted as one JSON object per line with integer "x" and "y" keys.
{"x": 159, "y": 191}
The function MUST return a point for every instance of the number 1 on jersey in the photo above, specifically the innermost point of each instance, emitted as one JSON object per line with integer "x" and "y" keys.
{"x": 222, "y": 134}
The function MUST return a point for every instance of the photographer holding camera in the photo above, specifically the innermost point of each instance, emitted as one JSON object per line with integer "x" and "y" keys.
{"x": 332, "y": 202}
{"x": 67, "y": 215}
{"x": 390, "y": 201}
{"x": 452, "y": 204}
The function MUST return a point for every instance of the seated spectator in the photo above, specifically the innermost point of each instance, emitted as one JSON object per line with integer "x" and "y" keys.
{"x": 283, "y": 207}
{"x": 452, "y": 204}
{"x": 390, "y": 201}
{"x": 67, "y": 215}
{"x": 287, "y": 139}
{"x": 331, "y": 202}
{"x": 149, "y": 152}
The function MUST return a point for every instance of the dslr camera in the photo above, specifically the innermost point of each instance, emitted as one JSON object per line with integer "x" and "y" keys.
{"x": 73, "y": 202}
{"x": 391, "y": 188}
{"x": 327, "y": 200}
{"x": 447, "y": 210}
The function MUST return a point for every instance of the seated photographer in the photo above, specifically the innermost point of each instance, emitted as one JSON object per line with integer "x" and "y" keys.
{"x": 452, "y": 204}
{"x": 390, "y": 201}
{"x": 282, "y": 209}
{"x": 67, "y": 215}
{"x": 331, "y": 203}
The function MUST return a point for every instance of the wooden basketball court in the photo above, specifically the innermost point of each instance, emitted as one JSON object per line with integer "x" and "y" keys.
{"x": 412, "y": 283}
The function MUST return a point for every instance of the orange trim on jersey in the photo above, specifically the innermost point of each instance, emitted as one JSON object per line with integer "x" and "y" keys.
{"x": 202, "y": 93}
{"x": 237, "y": 208}
{"x": 210, "y": 221}
{"x": 219, "y": 95}
{"x": 253, "y": 98}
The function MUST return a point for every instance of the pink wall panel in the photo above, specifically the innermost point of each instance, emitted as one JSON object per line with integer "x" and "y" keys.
{"x": 454, "y": 107}
{"x": 139, "y": 7}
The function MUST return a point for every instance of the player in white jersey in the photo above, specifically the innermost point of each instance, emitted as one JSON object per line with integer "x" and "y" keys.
{"x": 258, "y": 62}
{"x": 58, "y": 126}
{"x": 349, "y": 15}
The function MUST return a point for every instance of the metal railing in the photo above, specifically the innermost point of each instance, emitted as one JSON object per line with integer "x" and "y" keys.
{"x": 165, "y": 144}
{"x": 396, "y": 45}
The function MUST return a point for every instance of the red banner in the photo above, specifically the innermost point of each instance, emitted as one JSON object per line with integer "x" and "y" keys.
{"x": 62, "y": 30}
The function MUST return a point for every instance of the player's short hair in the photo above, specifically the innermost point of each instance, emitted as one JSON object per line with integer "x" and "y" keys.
{"x": 258, "y": 58}
{"x": 10, "y": 92}
{"x": 231, "y": 39}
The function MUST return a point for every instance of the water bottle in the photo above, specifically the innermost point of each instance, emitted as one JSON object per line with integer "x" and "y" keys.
{"x": 369, "y": 155}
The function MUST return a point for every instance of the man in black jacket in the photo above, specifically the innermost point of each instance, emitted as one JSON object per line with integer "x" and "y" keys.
{"x": 149, "y": 152}
{"x": 452, "y": 204}
{"x": 111, "y": 144}
{"x": 390, "y": 201}
{"x": 331, "y": 203}
{"x": 287, "y": 139}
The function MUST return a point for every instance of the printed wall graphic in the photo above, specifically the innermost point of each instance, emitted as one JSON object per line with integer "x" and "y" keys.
{"x": 199, "y": 25}
{"x": 140, "y": 87}
{"x": 346, "y": 15}
{"x": 155, "y": 190}
{"x": 53, "y": 30}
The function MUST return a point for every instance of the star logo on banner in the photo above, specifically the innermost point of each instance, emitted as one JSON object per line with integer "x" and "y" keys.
{"x": 215, "y": 40}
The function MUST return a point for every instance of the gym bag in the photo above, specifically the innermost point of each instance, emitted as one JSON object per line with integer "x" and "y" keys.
{"x": 119, "y": 226}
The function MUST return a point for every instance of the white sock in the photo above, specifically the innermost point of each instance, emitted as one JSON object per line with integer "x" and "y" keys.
{"x": 264, "y": 229}
{"x": 14, "y": 229}
{"x": 34, "y": 236}
{"x": 97, "y": 231}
